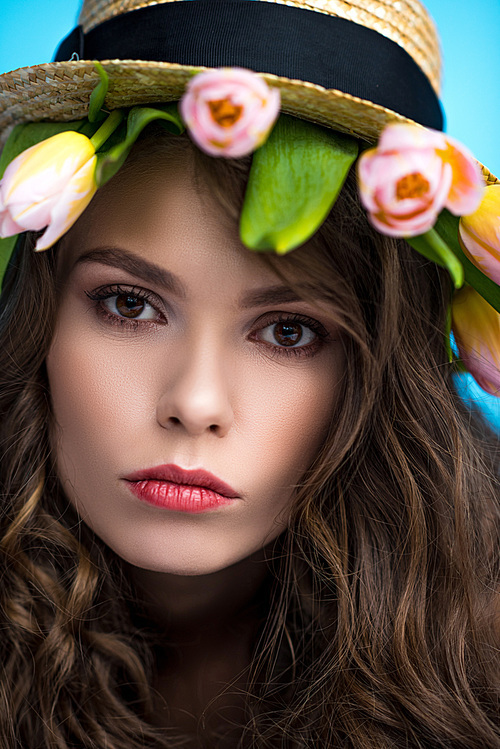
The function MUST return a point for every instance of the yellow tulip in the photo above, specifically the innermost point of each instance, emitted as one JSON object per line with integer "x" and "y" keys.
{"x": 480, "y": 234}
{"x": 48, "y": 185}
{"x": 476, "y": 327}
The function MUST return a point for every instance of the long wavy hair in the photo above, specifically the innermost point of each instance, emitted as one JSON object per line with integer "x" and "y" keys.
{"x": 381, "y": 629}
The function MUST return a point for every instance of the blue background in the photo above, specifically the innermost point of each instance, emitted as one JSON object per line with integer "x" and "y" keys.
{"x": 30, "y": 31}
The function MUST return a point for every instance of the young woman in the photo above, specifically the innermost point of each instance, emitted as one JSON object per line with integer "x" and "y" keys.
{"x": 242, "y": 504}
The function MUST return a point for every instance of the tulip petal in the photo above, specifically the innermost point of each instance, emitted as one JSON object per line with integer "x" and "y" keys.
{"x": 476, "y": 326}
{"x": 400, "y": 137}
{"x": 467, "y": 185}
{"x": 72, "y": 202}
{"x": 411, "y": 176}
{"x": 8, "y": 227}
{"x": 484, "y": 256}
{"x": 419, "y": 225}
{"x": 229, "y": 112}
{"x": 48, "y": 185}
{"x": 52, "y": 161}
{"x": 480, "y": 234}
{"x": 30, "y": 134}
{"x": 447, "y": 228}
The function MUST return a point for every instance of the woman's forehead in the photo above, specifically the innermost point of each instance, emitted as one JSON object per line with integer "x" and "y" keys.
{"x": 152, "y": 210}
{"x": 160, "y": 213}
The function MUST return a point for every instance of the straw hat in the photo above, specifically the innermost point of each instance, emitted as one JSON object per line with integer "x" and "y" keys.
{"x": 353, "y": 66}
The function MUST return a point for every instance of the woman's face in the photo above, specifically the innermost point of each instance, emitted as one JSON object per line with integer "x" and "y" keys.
{"x": 179, "y": 356}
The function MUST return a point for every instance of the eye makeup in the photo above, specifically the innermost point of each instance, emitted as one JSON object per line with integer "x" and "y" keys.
{"x": 293, "y": 329}
{"x": 130, "y": 302}
{"x": 133, "y": 307}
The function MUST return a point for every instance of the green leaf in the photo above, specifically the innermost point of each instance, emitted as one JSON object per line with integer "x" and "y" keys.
{"x": 433, "y": 247}
{"x": 98, "y": 94}
{"x": 294, "y": 181}
{"x": 110, "y": 161}
{"x": 7, "y": 246}
{"x": 447, "y": 228}
{"x": 27, "y": 135}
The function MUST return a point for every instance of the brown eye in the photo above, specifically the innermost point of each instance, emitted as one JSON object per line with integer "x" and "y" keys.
{"x": 129, "y": 306}
{"x": 288, "y": 334}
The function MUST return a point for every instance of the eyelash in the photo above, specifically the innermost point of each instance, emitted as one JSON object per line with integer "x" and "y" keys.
{"x": 100, "y": 295}
{"x": 108, "y": 292}
{"x": 297, "y": 351}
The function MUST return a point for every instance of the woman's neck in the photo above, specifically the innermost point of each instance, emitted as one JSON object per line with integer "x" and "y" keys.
{"x": 207, "y": 626}
{"x": 189, "y": 606}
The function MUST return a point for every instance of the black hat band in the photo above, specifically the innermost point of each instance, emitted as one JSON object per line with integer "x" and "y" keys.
{"x": 268, "y": 38}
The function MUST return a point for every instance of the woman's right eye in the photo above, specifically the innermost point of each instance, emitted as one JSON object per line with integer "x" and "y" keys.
{"x": 127, "y": 306}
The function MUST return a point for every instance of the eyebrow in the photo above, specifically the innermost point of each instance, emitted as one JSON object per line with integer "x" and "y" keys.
{"x": 136, "y": 266}
{"x": 155, "y": 274}
{"x": 271, "y": 295}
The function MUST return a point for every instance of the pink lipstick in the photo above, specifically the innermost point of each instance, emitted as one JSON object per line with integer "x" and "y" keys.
{"x": 175, "y": 488}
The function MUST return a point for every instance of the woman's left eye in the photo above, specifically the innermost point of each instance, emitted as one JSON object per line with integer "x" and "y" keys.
{"x": 290, "y": 334}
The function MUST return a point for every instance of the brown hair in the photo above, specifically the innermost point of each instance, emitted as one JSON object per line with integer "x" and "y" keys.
{"x": 380, "y": 629}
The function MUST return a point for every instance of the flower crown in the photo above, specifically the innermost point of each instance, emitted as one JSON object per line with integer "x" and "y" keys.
{"x": 418, "y": 184}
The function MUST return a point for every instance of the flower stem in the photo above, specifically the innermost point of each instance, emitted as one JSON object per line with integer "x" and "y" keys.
{"x": 107, "y": 128}
{"x": 434, "y": 248}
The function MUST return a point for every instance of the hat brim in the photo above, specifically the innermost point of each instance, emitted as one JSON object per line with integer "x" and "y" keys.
{"x": 61, "y": 92}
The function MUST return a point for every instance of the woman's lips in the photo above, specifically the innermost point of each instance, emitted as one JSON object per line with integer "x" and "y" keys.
{"x": 178, "y": 497}
{"x": 176, "y": 488}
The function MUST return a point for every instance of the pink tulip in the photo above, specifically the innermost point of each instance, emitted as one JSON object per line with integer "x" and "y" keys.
{"x": 412, "y": 175}
{"x": 480, "y": 234}
{"x": 48, "y": 185}
{"x": 476, "y": 327}
{"x": 230, "y": 111}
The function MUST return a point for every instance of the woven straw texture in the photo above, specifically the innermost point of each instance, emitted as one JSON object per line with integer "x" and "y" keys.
{"x": 62, "y": 94}
{"x": 489, "y": 178}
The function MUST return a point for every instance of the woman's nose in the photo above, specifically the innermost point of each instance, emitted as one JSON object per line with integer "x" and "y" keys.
{"x": 197, "y": 393}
